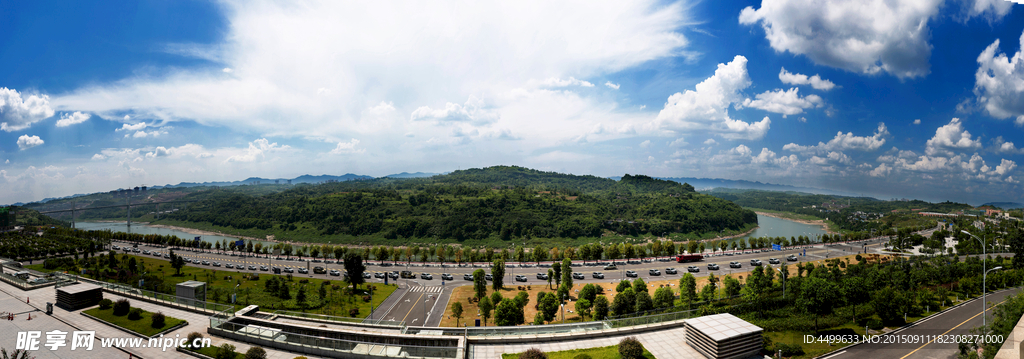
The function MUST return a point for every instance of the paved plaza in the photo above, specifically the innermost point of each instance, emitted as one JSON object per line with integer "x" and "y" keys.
{"x": 13, "y": 299}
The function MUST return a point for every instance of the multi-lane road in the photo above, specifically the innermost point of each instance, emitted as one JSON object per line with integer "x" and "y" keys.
{"x": 420, "y": 301}
{"x": 930, "y": 338}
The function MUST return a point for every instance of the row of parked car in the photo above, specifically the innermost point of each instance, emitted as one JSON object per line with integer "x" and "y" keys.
{"x": 753, "y": 262}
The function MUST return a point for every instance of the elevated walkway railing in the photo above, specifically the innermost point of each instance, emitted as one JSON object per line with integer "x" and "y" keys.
{"x": 344, "y": 320}
{"x": 155, "y": 297}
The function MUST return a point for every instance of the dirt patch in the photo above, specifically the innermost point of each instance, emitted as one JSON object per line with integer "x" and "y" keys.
{"x": 470, "y": 310}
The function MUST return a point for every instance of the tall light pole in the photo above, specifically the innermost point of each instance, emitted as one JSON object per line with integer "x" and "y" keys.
{"x": 512, "y": 268}
{"x": 984, "y": 274}
{"x": 984, "y": 316}
{"x": 784, "y": 275}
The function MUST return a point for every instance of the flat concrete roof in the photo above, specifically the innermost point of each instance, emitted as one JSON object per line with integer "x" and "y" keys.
{"x": 191, "y": 283}
{"x": 78, "y": 288}
{"x": 720, "y": 327}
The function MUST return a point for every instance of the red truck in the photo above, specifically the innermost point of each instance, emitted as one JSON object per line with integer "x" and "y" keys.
{"x": 683, "y": 258}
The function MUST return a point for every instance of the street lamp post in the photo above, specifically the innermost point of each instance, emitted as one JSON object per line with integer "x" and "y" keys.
{"x": 984, "y": 315}
{"x": 512, "y": 268}
{"x": 783, "y": 274}
{"x": 984, "y": 274}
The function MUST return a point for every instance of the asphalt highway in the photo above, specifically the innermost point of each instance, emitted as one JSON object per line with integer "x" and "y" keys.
{"x": 930, "y": 338}
{"x": 420, "y": 300}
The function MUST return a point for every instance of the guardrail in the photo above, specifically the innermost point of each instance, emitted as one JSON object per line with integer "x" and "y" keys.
{"x": 557, "y": 328}
{"x": 650, "y": 319}
{"x": 24, "y": 284}
{"x": 391, "y": 323}
{"x": 220, "y": 325}
{"x": 156, "y": 297}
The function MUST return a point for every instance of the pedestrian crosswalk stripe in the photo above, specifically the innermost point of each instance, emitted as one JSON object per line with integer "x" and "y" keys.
{"x": 427, "y": 289}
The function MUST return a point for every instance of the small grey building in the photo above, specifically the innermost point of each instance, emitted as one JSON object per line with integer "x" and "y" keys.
{"x": 191, "y": 292}
{"x": 723, "y": 336}
{"x": 78, "y": 296}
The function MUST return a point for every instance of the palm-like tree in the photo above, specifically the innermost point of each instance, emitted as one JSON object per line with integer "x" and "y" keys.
{"x": 16, "y": 354}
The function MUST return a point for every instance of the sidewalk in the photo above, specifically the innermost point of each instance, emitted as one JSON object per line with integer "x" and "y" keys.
{"x": 41, "y": 322}
{"x": 38, "y": 298}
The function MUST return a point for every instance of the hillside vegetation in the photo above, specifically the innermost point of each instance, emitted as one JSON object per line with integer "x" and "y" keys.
{"x": 847, "y": 213}
{"x": 481, "y": 206}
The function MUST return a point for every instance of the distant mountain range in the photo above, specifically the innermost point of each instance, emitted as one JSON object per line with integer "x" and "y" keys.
{"x": 704, "y": 184}
{"x": 414, "y": 175}
{"x": 1005, "y": 205}
{"x": 698, "y": 183}
{"x": 260, "y": 180}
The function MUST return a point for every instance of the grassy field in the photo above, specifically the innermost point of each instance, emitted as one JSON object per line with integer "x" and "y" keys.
{"x": 610, "y": 352}
{"x": 221, "y": 284}
{"x": 142, "y": 326}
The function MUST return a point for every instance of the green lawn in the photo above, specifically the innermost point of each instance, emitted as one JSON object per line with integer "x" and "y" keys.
{"x": 212, "y": 352}
{"x": 221, "y": 283}
{"x": 142, "y": 326}
{"x": 610, "y": 352}
{"x": 38, "y": 268}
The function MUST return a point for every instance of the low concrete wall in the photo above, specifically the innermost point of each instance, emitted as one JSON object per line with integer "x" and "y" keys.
{"x": 1011, "y": 347}
{"x": 558, "y": 337}
{"x": 308, "y": 350}
{"x": 324, "y": 321}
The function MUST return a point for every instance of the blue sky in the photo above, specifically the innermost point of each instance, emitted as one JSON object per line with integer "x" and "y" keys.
{"x": 916, "y": 99}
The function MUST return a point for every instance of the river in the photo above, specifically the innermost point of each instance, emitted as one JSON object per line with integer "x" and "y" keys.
{"x": 777, "y": 227}
{"x": 145, "y": 229}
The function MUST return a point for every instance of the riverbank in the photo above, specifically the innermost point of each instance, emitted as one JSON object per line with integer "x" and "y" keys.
{"x": 817, "y": 222}
{"x": 744, "y": 234}
{"x": 200, "y": 232}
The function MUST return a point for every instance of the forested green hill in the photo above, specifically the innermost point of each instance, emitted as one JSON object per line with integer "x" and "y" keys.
{"x": 480, "y": 205}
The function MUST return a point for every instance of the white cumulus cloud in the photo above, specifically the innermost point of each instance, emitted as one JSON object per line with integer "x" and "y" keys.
{"x": 855, "y": 35}
{"x": 951, "y": 137}
{"x": 68, "y": 119}
{"x": 473, "y": 111}
{"x": 258, "y": 149}
{"x": 999, "y": 82}
{"x": 990, "y": 9}
{"x": 611, "y": 85}
{"x": 786, "y": 102}
{"x": 135, "y": 127}
{"x": 347, "y": 148}
{"x": 25, "y": 142}
{"x": 18, "y": 114}
{"x": 419, "y": 54}
{"x": 800, "y": 79}
{"x": 571, "y": 81}
{"x": 707, "y": 106}
{"x": 845, "y": 141}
